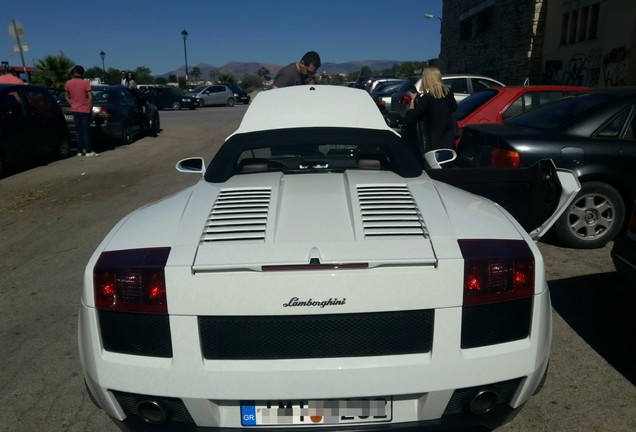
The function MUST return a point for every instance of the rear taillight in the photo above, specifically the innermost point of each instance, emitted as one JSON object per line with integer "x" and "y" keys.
{"x": 102, "y": 113}
{"x": 496, "y": 270}
{"x": 131, "y": 280}
{"x": 405, "y": 100}
{"x": 502, "y": 158}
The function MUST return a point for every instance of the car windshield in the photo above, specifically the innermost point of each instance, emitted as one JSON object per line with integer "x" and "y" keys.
{"x": 470, "y": 104}
{"x": 553, "y": 115}
{"x": 172, "y": 91}
{"x": 312, "y": 150}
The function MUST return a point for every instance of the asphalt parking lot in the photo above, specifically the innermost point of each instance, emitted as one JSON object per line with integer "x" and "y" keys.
{"x": 53, "y": 216}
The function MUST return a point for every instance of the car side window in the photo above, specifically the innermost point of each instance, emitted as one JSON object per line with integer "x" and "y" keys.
{"x": 530, "y": 100}
{"x": 40, "y": 104}
{"x": 127, "y": 97}
{"x": 614, "y": 127}
{"x": 10, "y": 105}
{"x": 457, "y": 85}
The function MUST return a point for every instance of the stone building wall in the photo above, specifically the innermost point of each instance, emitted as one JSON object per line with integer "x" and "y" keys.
{"x": 530, "y": 41}
{"x": 508, "y": 50}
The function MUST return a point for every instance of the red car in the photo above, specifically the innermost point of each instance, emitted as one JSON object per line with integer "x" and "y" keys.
{"x": 496, "y": 104}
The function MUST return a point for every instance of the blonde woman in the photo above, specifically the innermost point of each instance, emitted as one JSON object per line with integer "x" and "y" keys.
{"x": 434, "y": 107}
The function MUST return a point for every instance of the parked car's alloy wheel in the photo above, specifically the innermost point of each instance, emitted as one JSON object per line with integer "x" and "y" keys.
{"x": 593, "y": 219}
{"x": 230, "y": 102}
{"x": 201, "y": 103}
{"x": 176, "y": 105}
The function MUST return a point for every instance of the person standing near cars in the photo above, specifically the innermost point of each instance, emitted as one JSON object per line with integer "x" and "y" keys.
{"x": 124, "y": 79}
{"x": 132, "y": 84}
{"x": 79, "y": 95}
{"x": 434, "y": 106}
{"x": 299, "y": 73}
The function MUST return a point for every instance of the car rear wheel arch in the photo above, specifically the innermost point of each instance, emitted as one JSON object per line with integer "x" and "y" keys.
{"x": 593, "y": 219}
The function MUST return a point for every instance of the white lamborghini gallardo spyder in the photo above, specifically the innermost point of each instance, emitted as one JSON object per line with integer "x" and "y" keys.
{"x": 320, "y": 276}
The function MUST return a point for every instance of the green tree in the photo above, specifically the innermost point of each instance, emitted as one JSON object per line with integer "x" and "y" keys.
{"x": 143, "y": 75}
{"x": 53, "y": 71}
{"x": 226, "y": 78}
{"x": 172, "y": 78}
{"x": 196, "y": 73}
{"x": 93, "y": 72}
{"x": 161, "y": 80}
{"x": 251, "y": 82}
{"x": 365, "y": 71}
{"x": 214, "y": 74}
{"x": 182, "y": 82}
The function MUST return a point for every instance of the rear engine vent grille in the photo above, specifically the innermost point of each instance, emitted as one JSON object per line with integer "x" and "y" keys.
{"x": 389, "y": 211}
{"x": 238, "y": 215}
{"x": 316, "y": 336}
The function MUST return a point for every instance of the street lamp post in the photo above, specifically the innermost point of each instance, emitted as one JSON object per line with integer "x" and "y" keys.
{"x": 184, "y": 34}
{"x": 431, "y": 16}
{"x": 102, "y": 54}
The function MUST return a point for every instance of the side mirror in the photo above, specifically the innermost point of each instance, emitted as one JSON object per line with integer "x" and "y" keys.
{"x": 436, "y": 158}
{"x": 195, "y": 165}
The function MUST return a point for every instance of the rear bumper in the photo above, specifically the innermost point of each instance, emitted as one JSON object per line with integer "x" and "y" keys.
{"x": 429, "y": 391}
{"x": 494, "y": 419}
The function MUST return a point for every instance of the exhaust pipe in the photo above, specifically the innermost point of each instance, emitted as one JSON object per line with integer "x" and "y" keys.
{"x": 153, "y": 411}
{"x": 483, "y": 401}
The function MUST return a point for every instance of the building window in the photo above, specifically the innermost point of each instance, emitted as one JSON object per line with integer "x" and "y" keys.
{"x": 465, "y": 29}
{"x": 580, "y": 24}
{"x": 593, "y": 21}
{"x": 583, "y": 25}
{"x": 564, "y": 28}
{"x": 484, "y": 20}
{"x": 574, "y": 20}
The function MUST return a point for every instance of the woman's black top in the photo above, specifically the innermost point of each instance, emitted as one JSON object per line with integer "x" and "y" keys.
{"x": 438, "y": 118}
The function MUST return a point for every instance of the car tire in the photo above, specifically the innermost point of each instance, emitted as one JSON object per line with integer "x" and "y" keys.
{"x": 63, "y": 148}
{"x": 127, "y": 135}
{"x": 593, "y": 219}
{"x": 201, "y": 103}
{"x": 230, "y": 102}
{"x": 176, "y": 106}
{"x": 155, "y": 125}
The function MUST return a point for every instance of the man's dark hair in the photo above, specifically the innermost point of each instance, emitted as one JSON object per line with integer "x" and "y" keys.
{"x": 311, "y": 58}
{"x": 78, "y": 70}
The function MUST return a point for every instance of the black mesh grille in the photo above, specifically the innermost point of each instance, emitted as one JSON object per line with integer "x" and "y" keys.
{"x": 175, "y": 408}
{"x": 135, "y": 333}
{"x": 505, "y": 390}
{"x": 496, "y": 323}
{"x": 316, "y": 336}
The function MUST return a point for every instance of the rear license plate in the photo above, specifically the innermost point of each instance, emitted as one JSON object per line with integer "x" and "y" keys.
{"x": 308, "y": 412}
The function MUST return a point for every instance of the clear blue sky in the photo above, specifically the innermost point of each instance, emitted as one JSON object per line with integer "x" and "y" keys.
{"x": 148, "y": 33}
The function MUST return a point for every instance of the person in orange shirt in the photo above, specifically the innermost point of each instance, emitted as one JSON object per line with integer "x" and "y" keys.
{"x": 79, "y": 95}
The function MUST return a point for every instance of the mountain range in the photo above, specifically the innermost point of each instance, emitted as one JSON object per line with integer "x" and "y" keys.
{"x": 238, "y": 69}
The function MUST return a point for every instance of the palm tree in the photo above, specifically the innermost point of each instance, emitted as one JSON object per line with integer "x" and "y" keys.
{"x": 53, "y": 71}
{"x": 226, "y": 78}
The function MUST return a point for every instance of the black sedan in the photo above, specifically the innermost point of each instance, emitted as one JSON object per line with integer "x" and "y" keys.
{"x": 592, "y": 133}
{"x": 31, "y": 125}
{"x": 118, "y": 114}
{"x": 168, "y": 97}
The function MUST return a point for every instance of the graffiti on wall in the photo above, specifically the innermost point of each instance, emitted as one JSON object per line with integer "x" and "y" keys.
{"x": 615, "y": 67}
{"x": 585, "y": 69}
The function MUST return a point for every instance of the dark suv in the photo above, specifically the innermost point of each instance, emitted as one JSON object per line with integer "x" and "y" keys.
{"x": 239, "y": 93}
{"x": 118, "y": 114}
{"x": 31, "y": 125}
